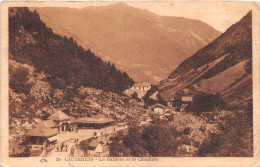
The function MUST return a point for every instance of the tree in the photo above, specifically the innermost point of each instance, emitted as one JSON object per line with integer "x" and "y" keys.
{"x": 19, "y": 80}
{"x": 152, "y": 140}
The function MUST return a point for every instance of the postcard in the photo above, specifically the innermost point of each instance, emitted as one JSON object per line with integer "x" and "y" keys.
{"x": 130, "y": 83}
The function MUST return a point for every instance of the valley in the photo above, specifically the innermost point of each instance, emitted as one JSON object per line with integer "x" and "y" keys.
{"x": 104, "y": 92}
{"x": 144, "y": 45}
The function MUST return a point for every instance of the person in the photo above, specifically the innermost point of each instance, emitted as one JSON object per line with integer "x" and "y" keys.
{"x": 62, "y": 145}
{"x": 77, "y": 141}
{"x": 57, "y": 148}
{"x": 44, "y": 144}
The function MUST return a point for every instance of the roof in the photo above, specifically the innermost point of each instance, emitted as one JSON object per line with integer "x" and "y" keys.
{"x": 95, "y": 120}
{"x": 42, "y": 131}
{"x": 73, "y": 120}
{"x": 170, "y": 111}
{"x": 99, "y": 116}
{"x": 37, "y": 120}
{"x": 157, "y": 105}
{"x": 143, "y": 84}
{"x": 59, "y": 116}
{"x": 47, "y": 123}
{"x": 94, "y": 143}
{"x": 129, "y": 92}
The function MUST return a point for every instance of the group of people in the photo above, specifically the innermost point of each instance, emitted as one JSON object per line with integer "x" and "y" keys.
{"x": 62, "y": 148}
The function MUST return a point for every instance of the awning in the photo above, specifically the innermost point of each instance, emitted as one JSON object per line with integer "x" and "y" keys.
{"x": 53, "y": 138}
{"x": 92, "y": 120}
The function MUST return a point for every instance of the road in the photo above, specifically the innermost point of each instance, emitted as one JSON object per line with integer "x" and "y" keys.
{"x": 67, "y": 138}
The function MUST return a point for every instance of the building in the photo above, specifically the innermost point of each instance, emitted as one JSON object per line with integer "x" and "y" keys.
{"x": 60, "y": 122}
{"x": 94, "y": 122}
{"x": 186, "y": 99}
{"x": 41, "y": 134}
{"x": 186, "y": 96}
{"x": 139, "y": 88}
{"x": 73, "y": 124}
{"x": 68, "y": 123}
{"x": 45, "y": 131}
{"x": 169, "y": 115}
{"x": 158, "y": 108}
{"x": 61, "y": 119}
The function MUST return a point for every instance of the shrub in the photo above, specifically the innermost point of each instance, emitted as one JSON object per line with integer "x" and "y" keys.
{"x": 235, "y": 138}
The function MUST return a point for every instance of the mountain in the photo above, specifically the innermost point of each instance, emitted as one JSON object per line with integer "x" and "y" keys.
{"x": 65, "y": 63}
{"x": 143, "y": 44}
{"x": 223, "y": 67}
{"x": 48, "y": 72}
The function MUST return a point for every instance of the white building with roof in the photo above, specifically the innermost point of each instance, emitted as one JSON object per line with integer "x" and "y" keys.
{"x": 158, "y": 108}
{"x": 139, "y": 88}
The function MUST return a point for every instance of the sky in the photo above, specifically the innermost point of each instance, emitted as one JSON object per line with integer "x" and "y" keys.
{"x": 219, "y": 15}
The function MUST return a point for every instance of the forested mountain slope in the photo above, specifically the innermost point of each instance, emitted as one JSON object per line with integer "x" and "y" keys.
{"x": 61, "y": 58}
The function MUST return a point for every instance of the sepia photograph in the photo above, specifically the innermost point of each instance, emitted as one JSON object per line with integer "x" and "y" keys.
{"x": 130, "y": 79}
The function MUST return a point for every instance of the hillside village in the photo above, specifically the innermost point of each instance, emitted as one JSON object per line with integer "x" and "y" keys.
{"x": 58, "y": 110}
{"x": 60, "y": 129}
